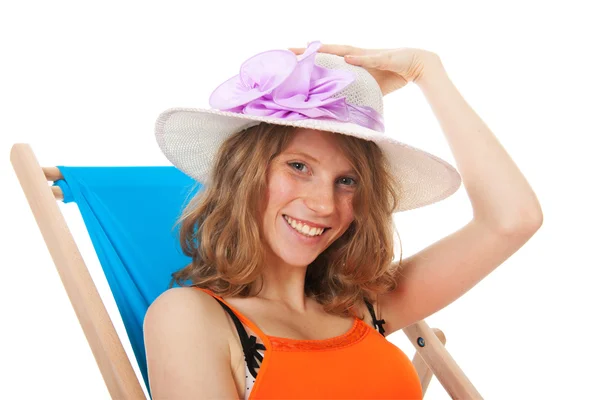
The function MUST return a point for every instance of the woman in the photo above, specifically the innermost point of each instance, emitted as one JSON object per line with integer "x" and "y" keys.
{"x": 292, "y": 285}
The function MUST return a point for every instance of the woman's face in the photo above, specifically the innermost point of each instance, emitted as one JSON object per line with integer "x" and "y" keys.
{"x": 310, "y": 186}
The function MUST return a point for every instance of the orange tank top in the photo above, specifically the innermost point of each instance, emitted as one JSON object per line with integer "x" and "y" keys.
{"x": 360, "y": 364}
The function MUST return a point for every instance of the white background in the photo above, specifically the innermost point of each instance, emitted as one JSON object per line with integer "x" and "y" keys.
{"x": 83, "y": 82}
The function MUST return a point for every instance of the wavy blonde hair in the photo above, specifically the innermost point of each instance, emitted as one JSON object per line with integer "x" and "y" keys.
{"x": 220, "y": 229}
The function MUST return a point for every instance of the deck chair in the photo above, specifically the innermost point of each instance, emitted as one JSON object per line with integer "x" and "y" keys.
{"x": 130, "y": 213}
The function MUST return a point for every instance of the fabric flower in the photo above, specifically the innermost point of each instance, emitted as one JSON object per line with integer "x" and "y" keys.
{"x": 278, "y": 84}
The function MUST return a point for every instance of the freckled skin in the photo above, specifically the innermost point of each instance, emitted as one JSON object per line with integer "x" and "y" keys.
{"x": 318, "y": 191}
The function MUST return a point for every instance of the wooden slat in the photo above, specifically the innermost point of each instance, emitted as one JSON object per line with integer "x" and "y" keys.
{"x": 57, "y": 192}
{"x": 52, "y": 173}
{"x": 438, "y": 359}
{"x": 423, "y": 370}
{"x": 101, "y": 335}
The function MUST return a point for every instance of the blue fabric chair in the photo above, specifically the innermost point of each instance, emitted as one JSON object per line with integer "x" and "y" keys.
{"x": 130, "y": 214}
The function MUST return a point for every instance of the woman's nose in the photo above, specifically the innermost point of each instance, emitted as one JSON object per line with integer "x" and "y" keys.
{"x": 320, "y": 198}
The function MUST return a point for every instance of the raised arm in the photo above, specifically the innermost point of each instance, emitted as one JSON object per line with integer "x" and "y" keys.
{"x": 506, "y": 212}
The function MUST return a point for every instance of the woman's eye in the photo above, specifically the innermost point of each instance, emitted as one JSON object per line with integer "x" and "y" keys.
{"x": 347, "y": 181}
{"x": 295, "y": 165}
{"x": 301, "y": 167}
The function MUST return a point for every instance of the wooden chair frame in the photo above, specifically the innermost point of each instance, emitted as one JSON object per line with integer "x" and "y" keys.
{"x": 431, "y": 357}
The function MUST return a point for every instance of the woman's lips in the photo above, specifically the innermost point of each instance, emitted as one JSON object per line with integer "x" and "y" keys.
{"x": 311, "y": 224}
{"x": 304, "y": 238}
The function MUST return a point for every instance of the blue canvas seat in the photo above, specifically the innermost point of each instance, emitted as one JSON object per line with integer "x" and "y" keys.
{"x": 130, "y": 214}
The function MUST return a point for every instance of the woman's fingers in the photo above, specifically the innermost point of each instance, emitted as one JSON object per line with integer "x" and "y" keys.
{"x": 337, "y": 49}
{"x": 376, "y": 61}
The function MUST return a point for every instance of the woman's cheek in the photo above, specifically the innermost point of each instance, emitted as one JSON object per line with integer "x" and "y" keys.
{"x": 283, "y": 185}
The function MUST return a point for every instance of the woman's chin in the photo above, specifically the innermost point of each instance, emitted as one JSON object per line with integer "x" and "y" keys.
{"x": 297, "y": 262}
{"x": 294, "y": 258}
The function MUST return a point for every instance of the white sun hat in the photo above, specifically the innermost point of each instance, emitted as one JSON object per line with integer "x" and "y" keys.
{"x": 315, "y": 91}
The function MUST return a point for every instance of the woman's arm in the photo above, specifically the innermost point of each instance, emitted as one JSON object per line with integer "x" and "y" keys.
{"x": 499, "y": 193}
{"x": 187, "y": 353}
{"x": 506, "y": 212}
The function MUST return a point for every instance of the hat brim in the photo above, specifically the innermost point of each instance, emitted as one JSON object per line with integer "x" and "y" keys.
{"x": 191, "y": 137}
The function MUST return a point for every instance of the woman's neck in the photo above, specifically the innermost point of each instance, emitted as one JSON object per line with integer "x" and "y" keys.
{"x": 284, "y": 284}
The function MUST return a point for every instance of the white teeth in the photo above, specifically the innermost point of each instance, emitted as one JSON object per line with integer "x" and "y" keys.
{"x": 304, "y": 229}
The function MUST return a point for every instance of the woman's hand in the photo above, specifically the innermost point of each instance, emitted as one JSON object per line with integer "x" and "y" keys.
{"x": 391, "y": 68}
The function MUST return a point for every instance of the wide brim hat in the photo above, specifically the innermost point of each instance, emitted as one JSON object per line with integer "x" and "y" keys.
{"x": 314, "y": 91}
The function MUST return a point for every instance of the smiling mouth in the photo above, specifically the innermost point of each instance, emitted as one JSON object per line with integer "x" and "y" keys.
{"x": 304, "y": 229}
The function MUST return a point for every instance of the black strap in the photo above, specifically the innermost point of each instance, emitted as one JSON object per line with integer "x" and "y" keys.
{"x": 377, "y": 323}
{"x": 249, "y": 344}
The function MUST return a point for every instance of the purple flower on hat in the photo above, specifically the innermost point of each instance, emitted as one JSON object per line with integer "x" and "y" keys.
{"x": 278, "y": 84}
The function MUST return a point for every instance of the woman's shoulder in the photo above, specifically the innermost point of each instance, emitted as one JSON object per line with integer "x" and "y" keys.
{"x": 187, "y": 309}
{"x": 187, "y": 302}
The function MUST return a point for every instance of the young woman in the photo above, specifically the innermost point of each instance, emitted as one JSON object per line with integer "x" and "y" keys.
{"x": 292, "y": 283}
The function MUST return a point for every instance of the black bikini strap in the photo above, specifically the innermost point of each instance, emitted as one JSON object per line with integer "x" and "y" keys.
{"x": 377, "y": 323}
{"x": 249, "y": 344}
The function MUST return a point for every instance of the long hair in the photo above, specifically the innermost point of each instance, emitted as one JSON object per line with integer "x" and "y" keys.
{"x": 220, "y": 228}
